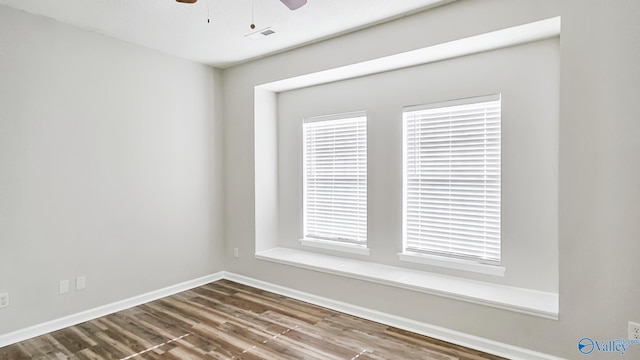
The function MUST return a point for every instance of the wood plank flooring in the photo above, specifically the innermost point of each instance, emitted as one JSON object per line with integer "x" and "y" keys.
{"x": 228, "y": 321}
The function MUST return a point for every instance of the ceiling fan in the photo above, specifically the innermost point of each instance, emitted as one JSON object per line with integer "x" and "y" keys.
{"x": 291, "y": 4}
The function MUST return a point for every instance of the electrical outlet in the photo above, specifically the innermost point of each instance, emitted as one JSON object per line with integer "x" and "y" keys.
{"x": 63, "y": 287}
{"x": 4, "y": 300}
{"x": 235, "y": 252}
{"x": 634, "y": 331}
{"x": 81, "y": 282}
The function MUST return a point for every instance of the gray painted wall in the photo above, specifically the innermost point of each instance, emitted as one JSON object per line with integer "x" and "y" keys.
{"x": 103, "y": 174}
{"x": 528, "y": 78}
{"x": 599, "y": 169}
{"x": 110, "y": 167}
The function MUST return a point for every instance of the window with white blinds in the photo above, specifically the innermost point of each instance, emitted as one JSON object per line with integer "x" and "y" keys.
{"x": 452, "y": 179}
{"x": 335, "y": 178}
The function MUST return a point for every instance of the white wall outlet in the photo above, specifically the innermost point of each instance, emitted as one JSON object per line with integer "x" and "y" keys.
{"x": 4, "y": 300}
{"x": 235, "y": 252}
{"x": 63, "y": 287}
{"x": 81, "y": 282}
{"x": 634, "y": 331}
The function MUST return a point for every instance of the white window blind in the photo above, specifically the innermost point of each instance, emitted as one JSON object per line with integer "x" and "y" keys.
{"x": 335, "y": 178}
{"x": 452, "y": 179}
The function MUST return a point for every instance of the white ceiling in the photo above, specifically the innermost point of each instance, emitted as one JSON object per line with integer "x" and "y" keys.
{"x": 182, "y": 29}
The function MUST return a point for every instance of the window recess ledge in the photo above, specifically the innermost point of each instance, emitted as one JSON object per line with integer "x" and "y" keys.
{"x": 336, "y": 246}
{"x": 526, "y": 301}
{"x": 455, "y": 264}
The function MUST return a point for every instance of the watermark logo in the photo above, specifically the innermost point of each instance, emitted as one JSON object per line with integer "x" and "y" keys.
{"x": 587, "y": 345}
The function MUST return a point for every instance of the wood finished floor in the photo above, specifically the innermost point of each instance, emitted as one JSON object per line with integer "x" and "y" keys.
{"x": 226, "y": 320}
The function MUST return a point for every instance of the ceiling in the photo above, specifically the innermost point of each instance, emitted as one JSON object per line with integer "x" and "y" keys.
{"x": 182, "y": 29}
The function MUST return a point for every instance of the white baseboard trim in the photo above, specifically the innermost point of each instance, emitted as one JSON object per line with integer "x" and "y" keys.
{"x": 440, "y": 333}
{"x": 61, "y": 323}
{"x": 455, "y": 337}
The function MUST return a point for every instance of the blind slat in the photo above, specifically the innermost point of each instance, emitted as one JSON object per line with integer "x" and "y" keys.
{"x": 452, "y": 172}
{"x": 335, "y": 179}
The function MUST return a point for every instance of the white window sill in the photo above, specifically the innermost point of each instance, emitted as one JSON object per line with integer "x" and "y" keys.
{"x": 336, "y": 246}
{"x": 532, "y": 302}
{"x": 455, "y": 264}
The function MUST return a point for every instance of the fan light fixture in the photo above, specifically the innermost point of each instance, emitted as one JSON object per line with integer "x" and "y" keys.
{"x": 291, "y": 4}
{"x": 294, "y": 4}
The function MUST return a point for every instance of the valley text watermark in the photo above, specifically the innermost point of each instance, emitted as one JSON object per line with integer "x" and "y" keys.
{"x": 587, "y": 345}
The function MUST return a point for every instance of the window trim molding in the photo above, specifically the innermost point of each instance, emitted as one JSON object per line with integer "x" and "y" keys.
{"x": 454, "y": 102}
{"x": 341, "y": 116}
{"x": 452, "y": 263}
{"x": 345, "y": 247}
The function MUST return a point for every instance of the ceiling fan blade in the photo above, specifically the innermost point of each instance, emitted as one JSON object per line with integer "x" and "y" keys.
{"x": 294, "y": 4}
{"x": 187, "y": 1}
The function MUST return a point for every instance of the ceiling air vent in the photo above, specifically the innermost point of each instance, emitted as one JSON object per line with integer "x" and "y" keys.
{"x": 260, "y": 34}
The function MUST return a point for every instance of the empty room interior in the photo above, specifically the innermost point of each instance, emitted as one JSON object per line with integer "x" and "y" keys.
{"x": 321, "y": 179}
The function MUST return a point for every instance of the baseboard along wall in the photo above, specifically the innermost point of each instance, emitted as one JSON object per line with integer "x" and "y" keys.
{"x": 440, "y": 333}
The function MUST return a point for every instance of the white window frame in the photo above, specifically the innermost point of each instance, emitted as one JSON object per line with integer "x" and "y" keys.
{"x": 352, "y": 237}
{"x": 459, "y": 260}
